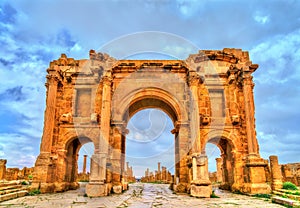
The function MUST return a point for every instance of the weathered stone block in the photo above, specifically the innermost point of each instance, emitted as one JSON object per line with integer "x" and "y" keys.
{"x": 201, "y": 191}
{"x": 95, "y": 190}
{"x": 117, "y": 189}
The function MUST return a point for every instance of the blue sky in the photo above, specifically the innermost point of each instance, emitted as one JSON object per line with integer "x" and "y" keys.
{"x": 33, "y": 33}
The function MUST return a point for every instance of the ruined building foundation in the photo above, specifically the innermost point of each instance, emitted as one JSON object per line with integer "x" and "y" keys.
{"x": 208, "y": 96}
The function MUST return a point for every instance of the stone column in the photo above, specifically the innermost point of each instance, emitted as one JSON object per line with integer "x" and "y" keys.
{"x": 276, "y": 176}
{"x": 2, "y": 169}
{"x": 158, "y": 172}
{"x": 219, "y": 163}
{"x": 116, "y": 159}
{"x": 183, "y": 143}
{"x": 49, "y": 120}
{"x": 84, "y": 164}
{"x": 43, "y": 170}
{"x": 105, "y": 124}
{"x": 255, "y": 165}
{"x": 194, "y": 80}
{"x": 249, "y": 111}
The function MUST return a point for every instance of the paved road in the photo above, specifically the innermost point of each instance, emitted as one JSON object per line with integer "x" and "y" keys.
{"x": 139, "y": 195}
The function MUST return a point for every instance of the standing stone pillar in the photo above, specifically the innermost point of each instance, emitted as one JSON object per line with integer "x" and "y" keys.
{"x": 84, "y": 164}
{"x": 97, "y": 185}
{"x": 219, "y": 163}
{"x": 276, "y": 176}
{"x": 255, "y": 165}
{"x": 2, "y": 169}
{"x": 158, "y": 172}
{"x": 200, "y": 185}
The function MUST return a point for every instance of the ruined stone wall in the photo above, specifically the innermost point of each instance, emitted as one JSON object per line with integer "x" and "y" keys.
{"x": 291, "y": 173}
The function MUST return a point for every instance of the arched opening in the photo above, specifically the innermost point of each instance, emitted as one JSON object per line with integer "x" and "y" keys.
{"x": 150, "y": 141}
{"x": 73, "y": 148}
{"x": 224, "y": 163}
{"x": 84, "y": 161}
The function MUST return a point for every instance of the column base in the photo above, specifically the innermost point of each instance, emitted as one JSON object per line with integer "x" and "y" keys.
{"x": 256, "y": 188}
{"x": 180, "y": 188}
{"x": 201, "y": 191}
{"x": 96, "y": 189}
{"x": 201, "y": 188}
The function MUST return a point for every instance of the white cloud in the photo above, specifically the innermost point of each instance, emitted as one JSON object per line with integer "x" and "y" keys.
{"x": 261, "y": 19}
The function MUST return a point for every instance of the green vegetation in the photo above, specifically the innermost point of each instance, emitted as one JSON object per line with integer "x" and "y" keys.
{"x": 289, "y": 186}
{"x": 34, "y": 192}
{"x": 213, "y": 195}
{"x": 268, "y": 196}
{"x": 84, "y": 180}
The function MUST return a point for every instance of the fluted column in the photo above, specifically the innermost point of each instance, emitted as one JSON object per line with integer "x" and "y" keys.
{"x": 105, "y": 126}
{"x": 49, "y": 120}
{"x": 248, "y": 86}
{"x": 195, "y": 119}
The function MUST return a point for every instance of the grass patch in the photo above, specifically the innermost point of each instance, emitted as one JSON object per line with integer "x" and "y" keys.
{"x": 289, "y": 186}
{"x": 267, "y": 196}
{"x": 34, "y": 192}
{"x": 213, "y": 195}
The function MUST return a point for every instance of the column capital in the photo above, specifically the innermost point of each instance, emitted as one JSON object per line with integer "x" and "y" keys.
{"x": 107, "y": 80}
{"x": 52, "y": 79}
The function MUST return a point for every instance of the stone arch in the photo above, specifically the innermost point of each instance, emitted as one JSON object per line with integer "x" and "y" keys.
{"x": 139, "y": 99}
{"x": 225, "y": 141}
{"x": 71, "y": 148}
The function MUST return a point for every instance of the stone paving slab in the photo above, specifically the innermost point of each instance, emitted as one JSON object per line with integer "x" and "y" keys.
{"x": 139, "y": 195}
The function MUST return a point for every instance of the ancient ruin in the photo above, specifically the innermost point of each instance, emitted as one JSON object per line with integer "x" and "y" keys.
{"x": 161, "y": 175}
{"x": 208, "y": 96}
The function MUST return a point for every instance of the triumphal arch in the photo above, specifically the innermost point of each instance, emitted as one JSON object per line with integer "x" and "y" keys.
{"x": 208, "y": 96}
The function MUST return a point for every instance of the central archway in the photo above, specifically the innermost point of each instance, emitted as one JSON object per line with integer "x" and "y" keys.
{"x": 124, "y": 107}
{"x": 150, "y": 141}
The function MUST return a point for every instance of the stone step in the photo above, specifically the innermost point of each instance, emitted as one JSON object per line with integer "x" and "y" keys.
{"x": 13, "y": 190}
{"x": 4, "y": 184}
{"x": 10, "y": 187}
{"x": 18, "y": 193}
{"x": 287, "y": 194}
{"x": 285, "y": 201}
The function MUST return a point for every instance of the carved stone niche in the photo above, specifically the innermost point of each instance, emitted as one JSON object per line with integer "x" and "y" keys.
{"x": 235, "y": 119}
{"x": 66, "y": 118}
{"x": 204, "y": 119}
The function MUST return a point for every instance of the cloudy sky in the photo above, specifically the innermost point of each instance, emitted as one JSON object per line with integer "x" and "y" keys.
{"x": 32, "y": 33}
